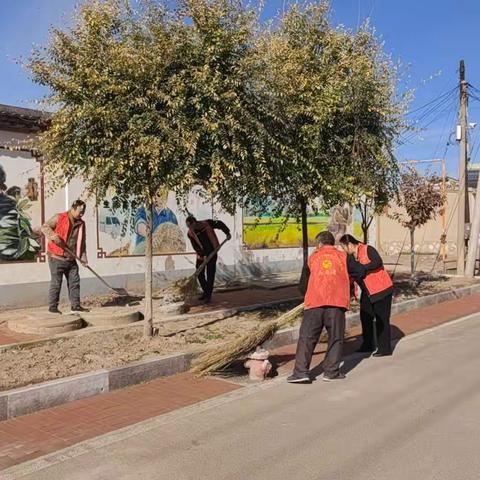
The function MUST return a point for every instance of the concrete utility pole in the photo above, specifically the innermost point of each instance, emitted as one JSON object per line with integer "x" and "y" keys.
{"x": 462, "y": 175}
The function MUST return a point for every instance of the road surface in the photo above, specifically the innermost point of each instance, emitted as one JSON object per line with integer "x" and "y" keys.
{"x": 413, "y": 416}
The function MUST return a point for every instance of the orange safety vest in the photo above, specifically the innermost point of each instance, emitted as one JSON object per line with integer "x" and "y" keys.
{"x": 376, "y": 281}
{"x": 328, "y": 285}
{"x": 212, "y": 236}
{"x": 63, "y": 230}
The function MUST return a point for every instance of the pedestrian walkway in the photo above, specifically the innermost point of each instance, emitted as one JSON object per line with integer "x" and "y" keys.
{"x": 245, "y": 298}
{"x": 35, "y": 435}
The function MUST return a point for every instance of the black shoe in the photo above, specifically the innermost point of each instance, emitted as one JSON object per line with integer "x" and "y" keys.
{"x": 381, "y": 354}
{"x": 207, "y": 299}
{"x": 79, "y": 309}
{"x": 299, "y": 379}
{"x": 330, "y": 378}
{"x": 202, "y": 297}
{"x": 55, "y": 310}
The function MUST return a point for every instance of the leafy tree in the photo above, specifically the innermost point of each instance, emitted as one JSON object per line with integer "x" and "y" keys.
{"x": 371, "y": 122}
{"x": 150, "y": 99}
{"x": 332, "y": 100}
{"x": 166, "y": 97}
{"x": 420, "y": 199}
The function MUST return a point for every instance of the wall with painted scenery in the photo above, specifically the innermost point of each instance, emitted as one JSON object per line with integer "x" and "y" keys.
{"x": 115, "y": 245}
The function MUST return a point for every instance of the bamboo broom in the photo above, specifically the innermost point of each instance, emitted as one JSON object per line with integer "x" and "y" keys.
{"x": 189, "y": 286}
{"x": 224, "y": 355}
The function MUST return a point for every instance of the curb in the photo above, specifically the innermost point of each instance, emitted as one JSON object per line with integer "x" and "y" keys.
{"x": 24, "y": 400}
{"x": 30, "y": 399}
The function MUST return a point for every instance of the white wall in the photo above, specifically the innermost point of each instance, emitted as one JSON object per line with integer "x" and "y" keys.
{"x": 26, "y": 283}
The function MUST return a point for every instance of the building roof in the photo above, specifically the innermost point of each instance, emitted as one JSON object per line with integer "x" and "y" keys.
{"x": 25, "y": 120}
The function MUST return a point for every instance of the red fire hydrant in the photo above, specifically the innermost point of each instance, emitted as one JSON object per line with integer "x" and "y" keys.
{"x": 258, "y": 365}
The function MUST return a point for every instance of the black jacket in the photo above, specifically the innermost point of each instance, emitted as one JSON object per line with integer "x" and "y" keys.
{"x": 207, "y": 247}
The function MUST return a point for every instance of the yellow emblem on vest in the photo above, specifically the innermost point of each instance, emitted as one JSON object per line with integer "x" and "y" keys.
{"x": 327, "y": 264}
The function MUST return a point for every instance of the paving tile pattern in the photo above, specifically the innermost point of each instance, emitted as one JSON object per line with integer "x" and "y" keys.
{"x": 46, "y": 431}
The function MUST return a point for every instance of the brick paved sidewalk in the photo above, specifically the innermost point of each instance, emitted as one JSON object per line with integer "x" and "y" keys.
{"x": 246, "y": 297}
{"x": 34, "y": 435}
{"x": 46, "y": 431}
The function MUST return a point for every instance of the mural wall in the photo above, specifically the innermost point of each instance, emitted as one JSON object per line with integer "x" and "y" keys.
{"x": 21, "y": 207}
{"x": 268, "y": 231}
{"x": 123, "y": 233}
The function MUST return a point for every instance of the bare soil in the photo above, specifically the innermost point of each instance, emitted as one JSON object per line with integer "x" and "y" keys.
{"x": 84, "y": 353}
{"x": 64, "y": 357}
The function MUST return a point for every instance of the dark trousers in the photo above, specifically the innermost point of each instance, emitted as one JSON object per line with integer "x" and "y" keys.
{"x": 380, "y": 311}
{"x": 58, "y": 269}
{"x": 333, "y": 318}
{"x": 207, "y": 276}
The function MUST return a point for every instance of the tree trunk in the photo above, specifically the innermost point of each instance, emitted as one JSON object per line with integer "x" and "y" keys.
{"x": 303, "y": 206}
{"x": 365, "y": 223}
{"x": 365, "y": 233}
{"x": 412, "y": 252}
{"x": 148, "y": 326}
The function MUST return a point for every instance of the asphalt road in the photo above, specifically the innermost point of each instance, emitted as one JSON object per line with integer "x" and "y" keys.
{"x": 413, "y": 416}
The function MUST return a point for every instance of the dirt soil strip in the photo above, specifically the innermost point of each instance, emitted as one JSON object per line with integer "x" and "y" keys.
{"x": 70, "y": 356}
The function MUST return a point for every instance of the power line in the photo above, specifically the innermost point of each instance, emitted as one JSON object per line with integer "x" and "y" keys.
{"x": 454, "y": 89}
{"x": 434, "y": 107}
{"x": 426, "y": 120}
{"x": 447, "y": 125}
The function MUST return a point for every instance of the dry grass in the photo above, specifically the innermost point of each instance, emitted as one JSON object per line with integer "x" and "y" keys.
{"x": 224, "y": 355}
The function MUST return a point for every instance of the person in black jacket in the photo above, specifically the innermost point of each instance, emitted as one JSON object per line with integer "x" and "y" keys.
{"x": 204, "y": 241}
{"x": 364, "y": 261}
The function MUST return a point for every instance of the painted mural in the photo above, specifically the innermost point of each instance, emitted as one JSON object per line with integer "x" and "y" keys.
{"x": 20, "y": 207}
{"x": 270, "y": 231}
{"x": 123, "y": 233}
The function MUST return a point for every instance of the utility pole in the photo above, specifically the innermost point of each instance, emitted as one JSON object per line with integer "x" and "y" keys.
{"x": 462, "y": 175}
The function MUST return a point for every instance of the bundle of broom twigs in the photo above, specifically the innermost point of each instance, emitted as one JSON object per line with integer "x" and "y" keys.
{"x": 222, "y": 356}
{"x": 188, "y": 286}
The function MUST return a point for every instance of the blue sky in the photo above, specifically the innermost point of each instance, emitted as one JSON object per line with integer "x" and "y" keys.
{"x": 428, "y": 36}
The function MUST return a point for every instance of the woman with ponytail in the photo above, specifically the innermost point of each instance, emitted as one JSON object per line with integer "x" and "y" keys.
{"x": 365, "y": 267}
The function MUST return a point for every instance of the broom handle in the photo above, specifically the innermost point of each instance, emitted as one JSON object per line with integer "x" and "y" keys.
{"x": 204, "y": 263}
{"x": 88, "y": 267}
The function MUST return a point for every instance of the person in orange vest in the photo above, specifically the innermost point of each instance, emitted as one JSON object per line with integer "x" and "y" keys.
{"x": 205, "y": 241}
{"x": 365, "y": 267}
{"x": 326, "y": 286}
{"x": 64, "y": 231}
